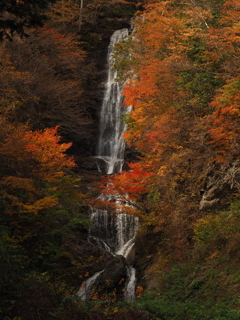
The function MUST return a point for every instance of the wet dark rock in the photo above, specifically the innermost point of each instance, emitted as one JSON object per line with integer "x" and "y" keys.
{"x": 113, "y": 278}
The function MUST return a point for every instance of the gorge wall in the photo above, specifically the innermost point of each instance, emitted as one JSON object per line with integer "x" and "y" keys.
{"x": 95, "y": 35}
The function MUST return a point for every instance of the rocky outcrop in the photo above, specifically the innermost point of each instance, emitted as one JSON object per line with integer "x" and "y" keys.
{"x": 113, "y": 278}
{"x": 220, "y": 182}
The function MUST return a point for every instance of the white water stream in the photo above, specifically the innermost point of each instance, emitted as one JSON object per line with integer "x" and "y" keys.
{"x": 111, "y": 145}
{"x": 114, "y": 232}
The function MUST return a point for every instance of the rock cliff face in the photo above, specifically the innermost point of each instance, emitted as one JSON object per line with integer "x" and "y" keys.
{"x": 95, "y": 36}
{"x": 220, "y": 182}
{"x": 113, "y": 278}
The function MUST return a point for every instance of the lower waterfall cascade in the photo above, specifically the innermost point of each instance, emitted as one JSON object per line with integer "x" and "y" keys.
{"x": 113, "y": 232}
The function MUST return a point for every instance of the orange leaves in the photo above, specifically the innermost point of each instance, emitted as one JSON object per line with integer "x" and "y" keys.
{"x": 30, "y": 160}
{"x": 231, "y": 11}
{"x": 138, "y": 291}
{"x": 64, "y": 12}
{"x": 225, "y": 122}
{"x": 151, "y": 91}
{"x": 44, "y": 203}
{"x": 39, "y": 151}
{"x": 45, "y": 148}
{"x": 66, "y": 44}
{"x": 161, "y": 46}
{"x": 224, "y": 38}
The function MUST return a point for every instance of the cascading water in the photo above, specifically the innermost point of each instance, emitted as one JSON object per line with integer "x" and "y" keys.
{"x": 114, "y": 232}
{"x": 111, "y": 145}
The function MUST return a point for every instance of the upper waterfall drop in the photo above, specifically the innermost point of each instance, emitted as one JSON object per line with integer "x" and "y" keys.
{"x": 111, "y": 144}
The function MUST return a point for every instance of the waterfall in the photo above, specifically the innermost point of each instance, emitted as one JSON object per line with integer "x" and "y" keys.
{"x": 114, "y": 232}
{"x": 130, "y": 287}
{"x": 85, "y": 289}
{"x": 111, "y": 144}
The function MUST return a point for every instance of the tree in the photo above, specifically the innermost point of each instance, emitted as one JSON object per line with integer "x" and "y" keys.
{"x": 40, "y": 211}
{"x": 16, "y": 15}
{"x": 224, "y": 121}
{"x": 31, "y": 161}
{"x": 125, "y": 191}
{"x": 41, "y": 83}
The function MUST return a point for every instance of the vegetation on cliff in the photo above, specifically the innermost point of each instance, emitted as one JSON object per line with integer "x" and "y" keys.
{"x": 181, "y": 64}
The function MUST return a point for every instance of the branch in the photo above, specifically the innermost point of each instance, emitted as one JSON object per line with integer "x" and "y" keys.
{"x": 199, "y": 13}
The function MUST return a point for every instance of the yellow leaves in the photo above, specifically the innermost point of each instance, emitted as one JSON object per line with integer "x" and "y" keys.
{"x": 162, "y": 170}
{"x": 34, "y": 208}
{"x": 44, "y": 203}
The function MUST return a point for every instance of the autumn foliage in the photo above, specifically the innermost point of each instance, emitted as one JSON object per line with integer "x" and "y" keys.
{"x": 31, "y": 160}
{"x": 225, "y": 124}
{"x": 181, "y": 71}
{"x": 132, "y": 182}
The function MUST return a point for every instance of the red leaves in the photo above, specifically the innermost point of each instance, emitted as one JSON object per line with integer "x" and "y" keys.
{"x": 131, "y": 182}
{"x": 122, "y": 192}
{"x": 127, "y": 186}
